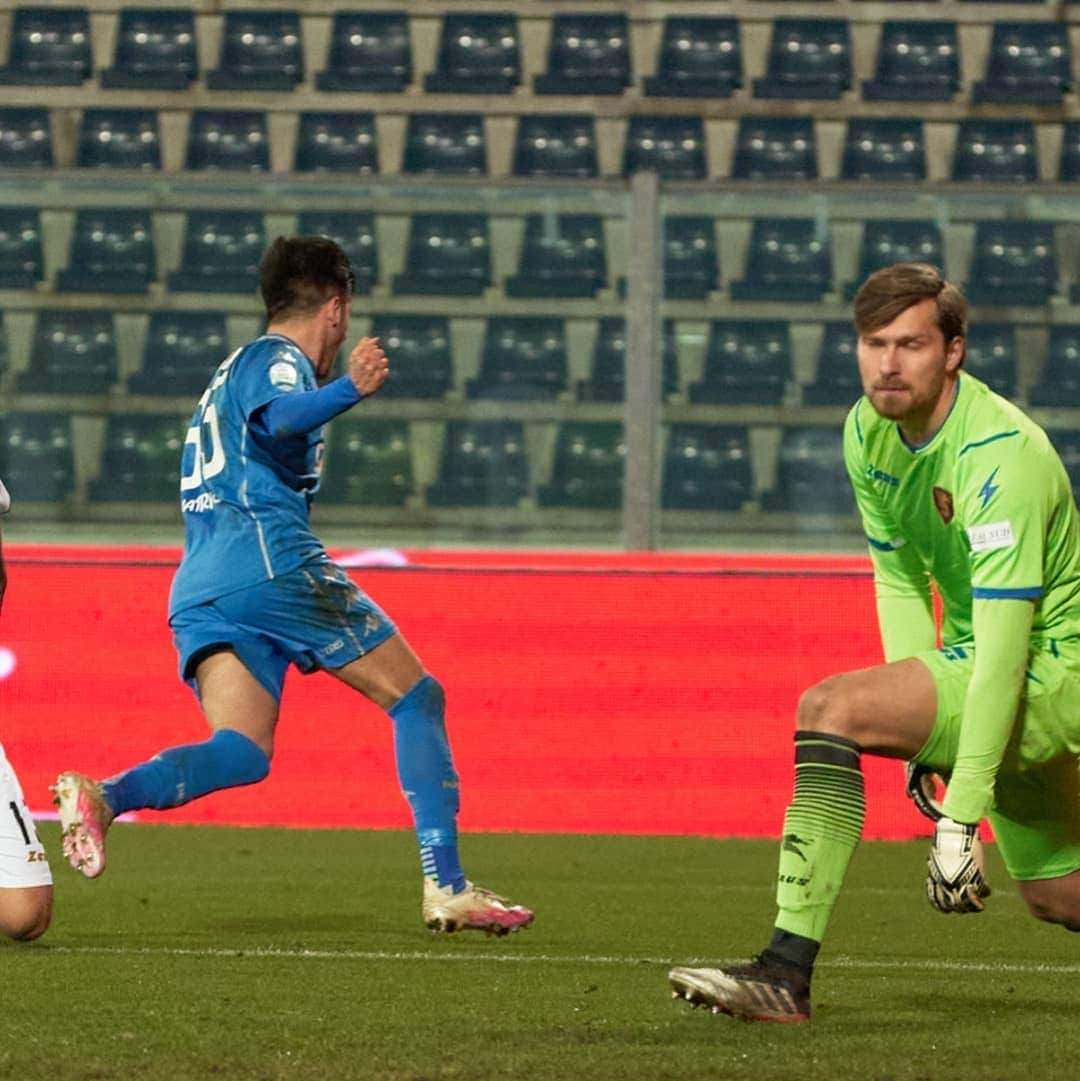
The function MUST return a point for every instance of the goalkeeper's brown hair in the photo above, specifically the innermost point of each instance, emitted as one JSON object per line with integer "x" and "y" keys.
{"x": 298, "y": 274}
{"x": 893, "y": 289}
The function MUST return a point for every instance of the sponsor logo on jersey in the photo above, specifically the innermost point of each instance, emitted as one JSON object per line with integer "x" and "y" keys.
{"x": 986, "y": 538}
{"x": 283, "y": 373}
{"x": 989, "y": 489}
{"x": 943, "y": 502}
{"x": 204, "y": 501}
{"x": 874, "y": 473}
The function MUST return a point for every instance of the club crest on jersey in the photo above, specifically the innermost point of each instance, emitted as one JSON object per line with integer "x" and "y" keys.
{"x": 283, "y": 373}
{"x": 943, "y": 502}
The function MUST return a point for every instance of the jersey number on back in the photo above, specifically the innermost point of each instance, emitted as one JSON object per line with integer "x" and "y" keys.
{"x": 205, "y": 430}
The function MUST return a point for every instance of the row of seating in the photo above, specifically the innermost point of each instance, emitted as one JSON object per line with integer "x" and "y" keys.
{"x": 562, "y": 255}
{"x": 527, "y": 359}
{"x": 888, "y": 150}
{"x": 588, "y": 54}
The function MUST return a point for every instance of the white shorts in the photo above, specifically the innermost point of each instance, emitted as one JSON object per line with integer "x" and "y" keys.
{"x": 22, "y": 855}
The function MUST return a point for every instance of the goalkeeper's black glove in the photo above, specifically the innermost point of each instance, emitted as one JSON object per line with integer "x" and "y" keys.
{"x": 954, "y": 880}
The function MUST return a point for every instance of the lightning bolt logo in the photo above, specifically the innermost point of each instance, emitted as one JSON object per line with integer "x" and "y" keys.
{"x": 989, "y": 489}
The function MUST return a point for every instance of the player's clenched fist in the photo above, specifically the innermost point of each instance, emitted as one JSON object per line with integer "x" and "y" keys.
{"x": 368, "y": 366}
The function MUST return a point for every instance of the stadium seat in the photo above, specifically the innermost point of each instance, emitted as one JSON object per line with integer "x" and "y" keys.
{"x": 808, "y": 59}
{"x": 707, "y": 467}
{"x": 182, "y": 351}
{"x": 5, "y": 353}
{"x": 691, "y": 258}
{"x": 478, "y": 54}
{"x": 746, "y": 362}
{"x": 810, "y": 474}
{"x": 788, "y": 259}
{"x": 370, "y": 52}
{"x": 588, "y": 469}
{"x": 50, "y": 46}
{"x": 354, "y": 232}
{"x": 996, "y": 151}
{"x": 699, "y": 58}
{"x": 119, "y": 139}
{"x": 556, "y": 145}
{"x": 156, "y": 49}
{"x": 884, "y": 150}
{"x": 1030, "y": 63}
{"x": 607, "y": 374}
{"x": 368, "y": 463}
{"x": 990, "y": 354}
{"x": 448, "y": 254}
{"x": 73, "y": 352}
{"x": 1067, "y": 444}
{"x": 25, "y": 138}
{"x": 523, "y": 359}
{"x": 260, "y": 50}
{"x": 21, "y": 259}
{"x": 588, "y": 54}
{"x": 1015, "y": 262}
{"x": 1069, "y": 165}
{"x": 446, "y": 144}
{"x": 672, "y": 146}
{"x": 37, "y": 457}
{"x": 775, "y": 148}
{"x": 483, "y": 464}
{"x": 112, "y": 251}
{"x": 222, "y": 251}
{"x": 337, "y": 143}
{"x": 886, "y": 241}
{"x": 563, "y": 255}
{"x": 1058, "y": 385}
{"x": 421, "y": 357}
{"x": 836, "y": 381}
{"x": 140, "y": 461}
{"x": 233, "y": 140}
{"x": 917, "y": 60}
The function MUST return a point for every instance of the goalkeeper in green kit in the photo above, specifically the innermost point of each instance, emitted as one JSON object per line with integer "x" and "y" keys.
{"x": 955, "y": 486}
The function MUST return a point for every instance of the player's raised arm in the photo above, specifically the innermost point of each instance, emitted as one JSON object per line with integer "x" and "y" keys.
{"x": 368, "y": 367}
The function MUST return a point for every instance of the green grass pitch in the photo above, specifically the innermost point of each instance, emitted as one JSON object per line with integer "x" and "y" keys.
{"x": 258, "y": 955}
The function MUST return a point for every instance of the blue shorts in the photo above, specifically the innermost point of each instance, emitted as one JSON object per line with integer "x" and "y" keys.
{"x": 314, "y": 617}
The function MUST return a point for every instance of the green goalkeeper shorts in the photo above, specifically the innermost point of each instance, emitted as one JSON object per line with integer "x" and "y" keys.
{"x": 1036, "y": 812}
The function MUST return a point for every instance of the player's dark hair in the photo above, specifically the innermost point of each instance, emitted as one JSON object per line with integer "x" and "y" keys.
{"x": 299, "y": 274}
{"x": 893, "y": 289}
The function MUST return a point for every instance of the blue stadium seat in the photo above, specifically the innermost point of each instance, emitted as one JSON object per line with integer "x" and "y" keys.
{"x": 1030, "y": 63}
{"x": 119, "y": 139}
{"x": 156, "y": 49}
{"x": 181, "y": 352}
{"x": 37, "y": 456}
{"x": 607, "y": 374}
{"x": 588, "y": 54}
{"x": 478, "y": 54}
{"x": 746, "y": 362}
{"x": 808, "y": 59}
{"x": 25, "y": 138}
{"x": 886, "y": 150}
{"x": 691, "y": 258}
{"x": 810, "y": 474}
{"x": 788, "y": 259}
{"x": 1058, "y": 385}
{"x": 448, "y": 255}
{"x": 836, "y": 381}
{"x": 775, "y": 148}
{"x": 221, "y": 253}
{"x": 556, "y": 145}
{"x": 140, "y": 461}
{"x": 523, "y": 359}
{"x": 112, "y": 251}
{"x": 588, "y": 469}
{"x": 917, "y": 60}
{"x": 446, "y": 144}
{"x": 672, "y": 146}
{"x": 73, "y": 352}
{"x": 1067, "y": 444}
{"x": 337, "y": 143}
{"x": 707, "y": 467}
{"x": 483, "y": 464}
{"x": 996, "y": 150}
{"x": 1015, "y": 262}
{"x": 50, "y": 46}
{"x": 368, "y": 463}
{"x": 563, "y": 255}
{"x": 886, "y": 241}
{"x": 990, "y": 354}
{"x": 21, "y": 259}
{"x": 354, "y": 232}
{"x": 260, "y": 50}
{"x": 420, "y": 352}
{"x": 700, "y": 57}
{"x": 234, "y": 140}
{"x": 370, "y": 52}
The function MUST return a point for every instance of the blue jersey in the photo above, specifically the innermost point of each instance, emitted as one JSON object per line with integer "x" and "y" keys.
{"x": 245, "y": 495}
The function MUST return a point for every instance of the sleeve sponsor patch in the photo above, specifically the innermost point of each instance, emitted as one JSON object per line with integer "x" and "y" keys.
{"x": 283, "y": 374}
{"x": 986, "y": 538}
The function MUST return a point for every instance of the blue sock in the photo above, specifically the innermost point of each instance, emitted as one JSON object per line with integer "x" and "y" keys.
{"x": 181, "y": 774}
{"x": 428, "y": 779}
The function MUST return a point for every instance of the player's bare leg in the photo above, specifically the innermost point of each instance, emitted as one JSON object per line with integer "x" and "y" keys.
{"x": 25, "y": 912}
{"x": 1055, "y": 900}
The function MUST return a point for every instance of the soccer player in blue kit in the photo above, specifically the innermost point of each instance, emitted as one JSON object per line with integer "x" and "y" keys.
{"x": 256, "y": 591}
